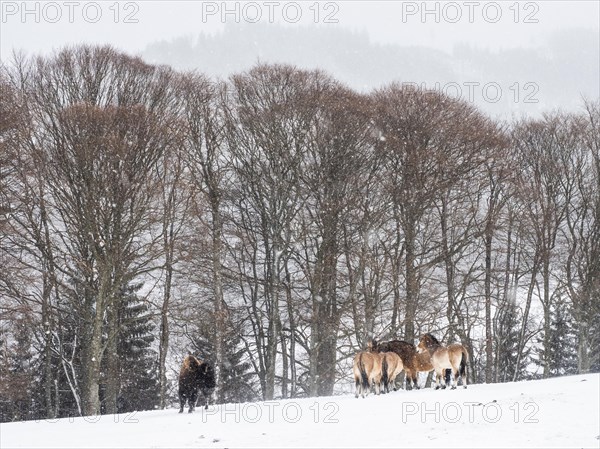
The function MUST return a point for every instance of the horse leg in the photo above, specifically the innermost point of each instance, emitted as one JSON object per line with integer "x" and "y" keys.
{"x": 400, "y": 380}
{"x": 394, "y": 384}
{"x": 365, "y": 386}
{"x": 415, "y": 380}
{"x": 455, "y": 376}
{"x": 463, "y": 371}
{"x": 440, "y": 381}
{"x": 409, "y": 377}
{"x": 377, "y": 386}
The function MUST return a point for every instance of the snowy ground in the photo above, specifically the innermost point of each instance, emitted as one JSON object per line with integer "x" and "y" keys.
{"x": 560, "y": 412}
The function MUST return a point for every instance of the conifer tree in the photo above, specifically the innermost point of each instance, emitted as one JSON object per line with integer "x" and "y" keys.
{"x": 237, "y": 377}
{"x": 507, "y": 344}
{"x": 562, "y": 342}
{"x": 138, "y": 378}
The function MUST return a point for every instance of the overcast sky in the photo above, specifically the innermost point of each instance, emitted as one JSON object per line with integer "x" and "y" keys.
{"x": 534, "y": 55}
{"x": 42, "y": 26}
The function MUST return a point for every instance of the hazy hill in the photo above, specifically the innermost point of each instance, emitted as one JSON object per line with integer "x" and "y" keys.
{"x": 561, "y": 70}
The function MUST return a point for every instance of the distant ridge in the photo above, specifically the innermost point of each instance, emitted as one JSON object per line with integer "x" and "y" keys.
{"x": 559, "y": 72}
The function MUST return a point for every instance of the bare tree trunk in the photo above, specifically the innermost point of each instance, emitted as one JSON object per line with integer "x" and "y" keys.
{"x": 315, "y": 346}
{"x": 396, "y": 262}
{"x": 362, "y": 329}
{"x": 90, "y": 397}
{"x": 451, "y": 308}
{"x": 169, "y": 249}
{"x": 163, "y": 344}
{"x": 508, "y": 274}
{"x": 47, "y": 351}
{"x": 93, "y": 351}
{"x": 546, "y": 306}
{"x": 285, "y": 367}
{"x": 273, "y": 316}
{"x": 489, "y": 348}
{"x": 220, "y": 309}
{"x": 50, "y": 284}
{"x": 525, "y": 318}
{"x": 292, "y": 324}
{"x": 329, "y": 323}
{"x": 583, "y": 357}
{"x": 412, "y": 287}
{"x": 112, "y": 377}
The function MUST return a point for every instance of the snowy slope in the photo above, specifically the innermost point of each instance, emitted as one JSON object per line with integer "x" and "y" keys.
{"x": 560, "y": 412}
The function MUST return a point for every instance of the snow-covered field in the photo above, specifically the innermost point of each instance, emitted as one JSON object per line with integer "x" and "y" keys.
{"x": 560, "y": 412}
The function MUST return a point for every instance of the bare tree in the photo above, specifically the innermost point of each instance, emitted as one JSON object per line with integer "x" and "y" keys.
{"x": 206, "y": 158}
{"x": 175, "y": 206}
{"x": 582, "y": 233}
{"x": 339, "y": 168}
{"x": 266, "y": 138}
{"x": 430, "y": 142}
{"x": 541, "y": 146}
{"x": 102, "y": 124}
{"x": 498, "y": 171}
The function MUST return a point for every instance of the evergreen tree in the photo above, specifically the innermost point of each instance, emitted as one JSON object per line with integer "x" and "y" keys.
{"x": 138, "y": 369}
{"x": 237, "y": 376}
{"x": 562, "y": 341}
{"x": 594, "y": 334}
{"x": 18, "y": 372}
{"x": 70, "y": 333}
{"x": 5, "y": 403}
{"x": 507, "y": 344}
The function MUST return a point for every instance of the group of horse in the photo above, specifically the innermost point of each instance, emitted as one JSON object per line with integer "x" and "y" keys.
{"x": 377, "y": 367}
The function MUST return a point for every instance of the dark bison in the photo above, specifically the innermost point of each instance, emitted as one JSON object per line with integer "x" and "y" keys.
{"x": 195, "y": 375}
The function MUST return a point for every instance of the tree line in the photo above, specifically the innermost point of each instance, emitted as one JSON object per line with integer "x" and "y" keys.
{"x": 272, "y": 223}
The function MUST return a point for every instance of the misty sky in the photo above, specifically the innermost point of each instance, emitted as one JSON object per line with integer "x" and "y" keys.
{"x": 403, "y": 23}
{"x": 553, "y": 43}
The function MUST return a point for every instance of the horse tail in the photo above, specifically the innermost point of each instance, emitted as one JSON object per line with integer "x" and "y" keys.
{"x": 463, "y": 362}
{"x": 384, "y": 373}
{"x": 363, "y": 373}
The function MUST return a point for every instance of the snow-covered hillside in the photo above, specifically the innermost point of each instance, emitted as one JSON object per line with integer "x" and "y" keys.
{"x": 560, "y": 412}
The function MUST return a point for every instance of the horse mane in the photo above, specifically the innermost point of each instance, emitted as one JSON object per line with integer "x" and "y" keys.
{"x": 432, "y": 339}
{"x": 372, "y": 344}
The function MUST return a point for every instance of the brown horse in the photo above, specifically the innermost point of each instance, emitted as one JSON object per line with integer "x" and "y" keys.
{"x": 407, "y": 353}
{"x": 391, "y": 367}
{"x": 367, "y": 373}
{"x": 453, "y": 356}
{"x": 195, "y": 375}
